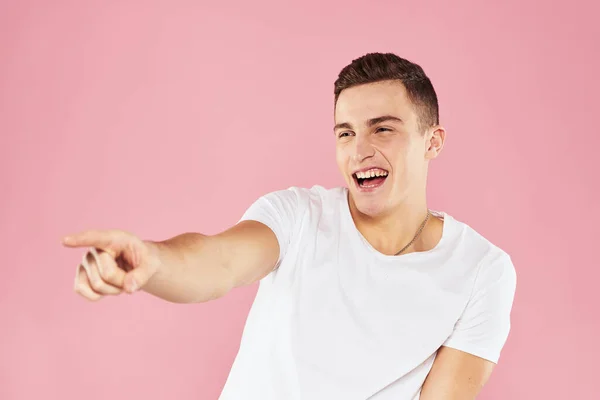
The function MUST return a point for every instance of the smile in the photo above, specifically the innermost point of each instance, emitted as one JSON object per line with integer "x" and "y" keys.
{"x": 370, "y": 179}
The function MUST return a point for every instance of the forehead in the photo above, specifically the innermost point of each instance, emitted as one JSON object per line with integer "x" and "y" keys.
{"x": 359, "y": 103}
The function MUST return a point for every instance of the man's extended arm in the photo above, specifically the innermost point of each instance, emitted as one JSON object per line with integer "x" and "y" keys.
{"x": 198, "y": 268}
{"x": 187, "y": 268}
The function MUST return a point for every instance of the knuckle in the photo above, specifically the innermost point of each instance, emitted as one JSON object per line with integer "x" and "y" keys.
{"x": 78, "y": 287}
{"x": 86, "y": 294}
{"x": 107, "y": 272}
{"x": 97, "y": 284}
{"x": 117, "y": 234}
{"x": 107, "y": 267}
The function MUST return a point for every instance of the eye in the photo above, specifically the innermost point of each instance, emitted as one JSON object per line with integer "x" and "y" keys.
{"x": 383, "y": 130}
{"x": 344, "y": 134}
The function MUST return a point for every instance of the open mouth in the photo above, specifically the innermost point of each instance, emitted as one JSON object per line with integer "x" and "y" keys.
{"x": 370, "y": 179}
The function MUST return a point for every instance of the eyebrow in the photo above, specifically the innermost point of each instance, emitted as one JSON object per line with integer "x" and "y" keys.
{"x": 370, "y": 122}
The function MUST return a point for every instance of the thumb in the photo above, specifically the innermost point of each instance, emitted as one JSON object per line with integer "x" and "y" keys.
{"x": 137, "y": 278}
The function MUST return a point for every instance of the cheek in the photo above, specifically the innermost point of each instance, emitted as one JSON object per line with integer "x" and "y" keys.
{"x": 404, "y": 154}
{"x": 341, "y": 158}
{"x": 396, "y": 157}
{"x": 408, "y": 164}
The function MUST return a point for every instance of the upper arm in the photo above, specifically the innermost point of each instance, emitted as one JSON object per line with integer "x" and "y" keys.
{"x": 257, "y": 244}
{"x": 250, "y": 251}
{"x": 456, "y": 375}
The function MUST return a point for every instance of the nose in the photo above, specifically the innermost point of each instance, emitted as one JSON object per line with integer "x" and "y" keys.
{"x": 363, "y": 150}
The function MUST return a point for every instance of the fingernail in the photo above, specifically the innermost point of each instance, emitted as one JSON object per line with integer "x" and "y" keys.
{"x": 67, "y": 239}
{"x": 134, "y": 286}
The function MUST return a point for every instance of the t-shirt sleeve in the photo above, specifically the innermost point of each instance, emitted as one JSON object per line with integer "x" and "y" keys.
{"x": 483, "y": 328}
{"x": 280, "y": 211}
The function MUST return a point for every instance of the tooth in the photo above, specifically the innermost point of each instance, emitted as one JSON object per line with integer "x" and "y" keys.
{"x": 372, "y": 173}
{"x": 377, "y": 173}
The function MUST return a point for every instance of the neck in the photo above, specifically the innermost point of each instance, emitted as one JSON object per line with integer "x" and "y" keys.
{"x": 389, "y": 233}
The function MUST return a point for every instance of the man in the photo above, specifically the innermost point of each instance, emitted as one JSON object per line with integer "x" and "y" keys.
{"x": 364, "y": 292}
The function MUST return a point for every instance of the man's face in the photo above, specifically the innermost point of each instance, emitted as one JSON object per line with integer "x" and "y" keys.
{"x": 380, "y": 151}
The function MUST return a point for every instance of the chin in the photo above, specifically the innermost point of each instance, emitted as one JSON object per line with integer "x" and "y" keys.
{"x": 367, "y": 205}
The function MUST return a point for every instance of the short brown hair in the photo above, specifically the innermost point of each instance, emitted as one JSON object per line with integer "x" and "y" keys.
{"x": 377, "y": 67}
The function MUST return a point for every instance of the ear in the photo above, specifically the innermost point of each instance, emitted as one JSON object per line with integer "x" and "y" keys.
{"x": 436, "y": 137}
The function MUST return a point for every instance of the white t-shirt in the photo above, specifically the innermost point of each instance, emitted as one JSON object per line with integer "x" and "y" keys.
{"x": 337, "y": 319}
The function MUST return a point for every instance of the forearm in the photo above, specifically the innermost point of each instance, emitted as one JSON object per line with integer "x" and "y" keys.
{"x": 191, "y": 269}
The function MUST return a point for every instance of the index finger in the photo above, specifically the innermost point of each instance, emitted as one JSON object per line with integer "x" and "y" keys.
{"x": 104, "y": 240}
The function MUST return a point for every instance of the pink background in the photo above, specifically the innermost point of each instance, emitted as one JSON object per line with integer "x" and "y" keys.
{"x": 166, "y": 117}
